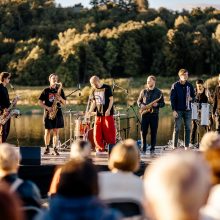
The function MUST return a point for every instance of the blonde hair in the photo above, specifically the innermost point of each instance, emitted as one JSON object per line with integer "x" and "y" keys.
{"x": 210, "y": 140}
{"x": 9, "y": 157}
{"x": 152, "y": 77}
{"x": 125, "y": 156}
{"x": 182, "y": 72}
{"x": 177, "y": 185}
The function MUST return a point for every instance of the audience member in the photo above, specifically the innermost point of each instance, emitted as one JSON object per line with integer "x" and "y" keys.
{"x": 76, "y": 196}
{"x": 177, "y": 186}
{"x": 9, "y": 164}
{"x": 120, "y": 182}
{"x": 79, "y": 148}
{"x": 210, "y": 146}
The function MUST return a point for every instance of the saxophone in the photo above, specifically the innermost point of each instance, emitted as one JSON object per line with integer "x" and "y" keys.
{"x": 149, "y": 107}
{"x": 52, "y": 114}
{"x": 9, "y": 113}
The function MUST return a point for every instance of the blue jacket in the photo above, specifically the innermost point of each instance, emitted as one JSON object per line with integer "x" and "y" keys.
{"x": 86, "y": 208}
{"x": 178, "y": 96}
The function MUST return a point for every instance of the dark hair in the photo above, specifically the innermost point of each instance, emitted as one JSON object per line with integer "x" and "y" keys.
{"x": 78, "y": 179}
{"x": 4, "y": 75}
{"x": 199, "y": 81}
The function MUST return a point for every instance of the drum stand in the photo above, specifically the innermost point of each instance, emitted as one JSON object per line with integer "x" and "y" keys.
{"x": 67, "y": 143}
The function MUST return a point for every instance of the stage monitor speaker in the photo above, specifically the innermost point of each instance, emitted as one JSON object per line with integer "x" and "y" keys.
{"x": 30, "y": 155}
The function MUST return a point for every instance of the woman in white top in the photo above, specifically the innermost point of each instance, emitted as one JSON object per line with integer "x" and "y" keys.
{"x": 120, "y": 183}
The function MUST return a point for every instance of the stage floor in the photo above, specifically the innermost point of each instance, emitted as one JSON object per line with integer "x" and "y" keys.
{"x": 97, "y": 159}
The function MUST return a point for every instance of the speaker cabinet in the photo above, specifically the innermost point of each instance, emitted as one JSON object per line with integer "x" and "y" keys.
{"x": 30, "y": 155}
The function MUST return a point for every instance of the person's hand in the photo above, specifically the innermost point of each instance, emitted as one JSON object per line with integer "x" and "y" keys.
{"x": 213, "y": 117}
{"x": 175, "y": 114}
{"x": 107, "y": 113}
{"x": 49, "y": 109}
{"x": 58, "y": 97}
{"x": 155, "y": 104}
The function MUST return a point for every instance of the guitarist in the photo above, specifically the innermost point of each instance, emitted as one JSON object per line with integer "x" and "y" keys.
{"x": 4, "y": 104}
{"x": 150, "y": 116}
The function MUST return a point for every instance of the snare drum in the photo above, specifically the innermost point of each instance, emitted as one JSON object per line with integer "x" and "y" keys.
{"x": 195, "y": 112}
{"x": 81, "y": 127}
{"x": 205, "y": 114}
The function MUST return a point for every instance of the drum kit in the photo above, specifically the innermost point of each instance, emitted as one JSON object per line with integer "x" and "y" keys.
{"x": 201, "y": 113}
{"x": 83, "y": 127}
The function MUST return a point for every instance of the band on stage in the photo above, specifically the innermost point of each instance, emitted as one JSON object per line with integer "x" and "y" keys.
{"x": 196, "y": 107}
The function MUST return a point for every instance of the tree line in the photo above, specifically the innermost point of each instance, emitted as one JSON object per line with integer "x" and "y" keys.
{"x": 119, "y": 38}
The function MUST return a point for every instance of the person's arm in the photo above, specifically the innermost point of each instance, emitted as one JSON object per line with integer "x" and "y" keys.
{"x": 41, "y": 103}
{"x": 62, "y": 98}
{"x": 215, "y": 101}
{"x": 209, "y": 96}
{"x": 173, "y": 97}
{"x": 192, "y": 93}
{"x": 107, "y": 113}
{"x": 161, "y": 102}
{"x": 140, "y": 99}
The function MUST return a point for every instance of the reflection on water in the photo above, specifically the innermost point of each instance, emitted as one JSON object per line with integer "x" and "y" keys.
{"x": 28, "y": 130}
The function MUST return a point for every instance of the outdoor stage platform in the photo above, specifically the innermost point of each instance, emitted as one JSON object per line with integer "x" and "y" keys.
{"x": 42, "y": 174}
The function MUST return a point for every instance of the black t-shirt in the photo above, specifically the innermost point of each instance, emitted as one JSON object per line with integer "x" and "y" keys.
{"x": 4, "y": 97}
{"x": 201, "y": 97}
{"x": 101, "y": 97}
{"x": 48, "y": 96}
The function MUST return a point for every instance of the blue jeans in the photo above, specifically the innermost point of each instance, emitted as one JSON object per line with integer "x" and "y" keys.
{"x": 187, "y": 118}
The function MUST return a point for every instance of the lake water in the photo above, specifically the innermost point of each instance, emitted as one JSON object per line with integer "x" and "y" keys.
{"x": 28, "y": 130}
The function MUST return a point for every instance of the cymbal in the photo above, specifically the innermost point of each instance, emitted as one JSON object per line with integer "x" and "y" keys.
{"x": 118, "y": 115}
{"x": 118, "y": 108}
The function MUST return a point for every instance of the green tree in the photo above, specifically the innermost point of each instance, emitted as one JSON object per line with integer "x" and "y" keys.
{"x": 111, "y": 57}
{"x": 131, "y": 55}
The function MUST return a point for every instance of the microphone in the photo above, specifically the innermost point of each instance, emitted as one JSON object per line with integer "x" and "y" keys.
{"x": 79, "y": 87}
{"x": 113, "y": 85}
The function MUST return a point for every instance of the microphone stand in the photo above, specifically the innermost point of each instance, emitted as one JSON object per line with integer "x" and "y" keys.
{"x": 73, "y": 92}
{"x": 127, "y": 129}
{"x": 70, "y": 140}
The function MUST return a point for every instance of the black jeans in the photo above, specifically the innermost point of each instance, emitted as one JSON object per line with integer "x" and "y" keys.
{"x": 4, "y": 131}
{"x": 151, "y": 120}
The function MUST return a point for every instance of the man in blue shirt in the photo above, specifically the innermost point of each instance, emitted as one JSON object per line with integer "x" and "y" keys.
{"x": 181, "y": 96}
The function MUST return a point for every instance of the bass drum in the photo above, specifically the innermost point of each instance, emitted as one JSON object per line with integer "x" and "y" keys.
{"x": 90, "y": 138}
{"x": 205, "y": 114}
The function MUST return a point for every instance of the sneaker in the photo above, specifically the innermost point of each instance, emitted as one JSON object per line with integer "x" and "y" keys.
{"x": 143, "y": 153}
{"x": 55, "y": 152}
{"x": 47, "y": 150}
{"x": 191, "y": 145}
{"x": 152, "y": 153}
{"x": 100, "y": 152}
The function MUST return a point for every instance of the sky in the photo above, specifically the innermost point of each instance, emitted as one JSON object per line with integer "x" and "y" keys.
{"x": 170, "y": 4}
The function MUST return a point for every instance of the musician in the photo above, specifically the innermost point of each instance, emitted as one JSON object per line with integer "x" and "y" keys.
{"x": 4, "y": 104}
{"x": 216, "y": 106}
{"x": 48, "y": 97}
{"x": 102, "y": 103}
{"x": 150, "y": 118}
{"x": 181, "y": 96}
{"x": 202, "y": 96}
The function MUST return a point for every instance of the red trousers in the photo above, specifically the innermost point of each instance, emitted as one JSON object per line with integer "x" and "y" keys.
{"x": 104, "y": 131}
